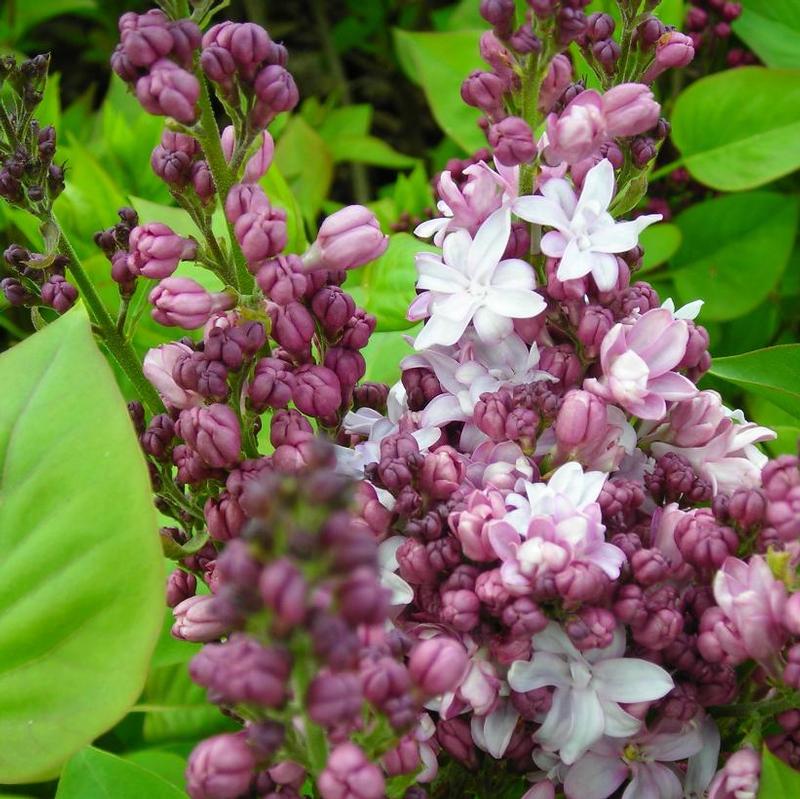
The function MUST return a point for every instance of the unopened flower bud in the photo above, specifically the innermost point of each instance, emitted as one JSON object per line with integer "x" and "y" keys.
{"x": 213, "y": 432}
{"x": 59, "y": 294}
{"x": 349, "y": 775}
{"x": 155, "y": 250}
{"x": 197, "y": 619}
{"x": 220, "y": 767}
{"x": 180, "y": 301}
{"x": 512, "y": 141}
{"x": 348, "y": 238}
{"x": 334, "y": 698}
{"x": 169, "y": 90}
{"x": 437, "y": 665}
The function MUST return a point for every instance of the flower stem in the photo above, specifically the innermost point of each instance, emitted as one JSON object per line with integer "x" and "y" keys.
{"x": 207, "y": 133}
{"x": 121, "y": 350}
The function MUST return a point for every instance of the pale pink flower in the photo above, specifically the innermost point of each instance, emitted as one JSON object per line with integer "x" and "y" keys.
{"x": 157, "y": 368}
{"x": 470, "y": 284}
{"x": 637, "y": 361}
{"x": 585, "y": 235}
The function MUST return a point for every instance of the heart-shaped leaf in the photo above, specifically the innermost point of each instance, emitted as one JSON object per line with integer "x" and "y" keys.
{"x": 81, "y": 600}
{"x": 740, "y": 129}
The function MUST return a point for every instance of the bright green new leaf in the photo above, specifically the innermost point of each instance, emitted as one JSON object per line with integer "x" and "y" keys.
{"x": 439, "y": 62}
{"x": 369, "y": 150}
{"x": 388, "y": 282}
{"x": 740, "y": 129}
{"x": 307, "y": 164}
{"x": 734, "y": 251}
{"x": 351, "y": 120}
{"x": 81, "y": 600}
{"x": 660, "y": 242}
{"x": 384, "y": 353}
{"x": 771, "y": 373}
{"x": 101, "y": 775}
{"x": 772, "y": 29}
{"x": 778, "y": 781}
{"x": 167, "y": 765}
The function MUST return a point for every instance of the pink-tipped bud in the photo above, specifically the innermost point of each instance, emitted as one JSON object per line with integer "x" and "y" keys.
{"x": 437, "y": 665}
{"x": 181, "y": 302}
{"x": 155, "y": 250}
{"x": 512, "y": 141}
{"x": 348, "y": 238}
{"x": 630, "y": 109}
{"x": 168, "y": 90}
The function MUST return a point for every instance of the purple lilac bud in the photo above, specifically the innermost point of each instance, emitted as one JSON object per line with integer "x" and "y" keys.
{"x": 213, "y": 432}
{"x": 484, "y": 90}
{"x": 384, "y": 679}
{"x": 512, "y": 141}
{"x": 437, "y": 665}
{"x": 649, "y": 32}
{"x": 497, "y": 12}
{"x": 170, "y": 91}
{"x": 593, "y": 628}
{"x": 404, "y": 758}
{"x": 271, "y": 385}
{"x": 145, "y": 37}
{"x": 197, "y": 619}
{"x": 702, "y": 541}
{"x": 224, "y": 517}
{"x": 558, "y": 77}
{"x": 781, "y": 480}
{"x": 249, "y": 45}
{"x": 180, "y": 585}
{"x": 523, "y": 618}
{"x": 421, "y": 386}
{"x": 333, "y": 699}
{"x": 155, "y": 250}
{"x": 455, "y": 737}
{"x": 599, "y": 26}
{"x": 158, "y": 436}
{"x": 14, "y": 291}
{"x": 791, "y": 672}
{"x": 643, "y": 150}
{"x": 202, "y": 181}
{"x": 261, "y": 234}
{"x": 276, "y": 92}
{"x": 348, "y": 238}
{"x": 235, "y": 345}
{"x": 59, "y": 294}
{"x": 581, "y": 582}
{"x": 242, "y": 670}
{"x": 282, "y": 280}
{"x": 673, "y": 51}
{"x": 571, "y": 24}
{"x": 358, "y": 330}
{"x": 220, "y": 767}
{"x": 186, "y": 38}
{"x": 441, "y": 473}
{"x": 649, "y": 566}
{"x": 349, "y": 775}
{"x": 317, "y": 391}
{"x": 292, "y": 327}
{"x": 283, "y": 590}
{"x": 460, "y": 610}
{"x": 581, "y": 420}
{"x": 333, "y": 308}
{"x": 362, "y": 599}
{"x": 630, "y": 109}
{"x": 607, "y": 52}
{"x": 562, "y": 362}
{"x": 181, "y": 302}
{"x": 349, "y": 366}
{"x": 218, "y": 65}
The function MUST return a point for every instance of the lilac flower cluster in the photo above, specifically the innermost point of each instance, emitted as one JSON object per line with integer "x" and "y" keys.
{"x": 30, "y": 179}
{"x": 560, "y": 549}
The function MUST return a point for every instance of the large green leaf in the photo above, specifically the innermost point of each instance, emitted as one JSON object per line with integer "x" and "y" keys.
{"x": 384, "y": 353}
{"x": 82, "y": 592}
{"x": 369, "y": 150}
{"x": 388, "y": 282}
{"x": 778, "y": 781}
{"x": 660, "y": 242}
{"x": 101, "y": 775}
{"x": 740, "y": 128}
{"x": 734, "y": 251}
{"x": 772, "y": 29}
{"x": 439, "y": 62}
{"x": 771, "y": 373}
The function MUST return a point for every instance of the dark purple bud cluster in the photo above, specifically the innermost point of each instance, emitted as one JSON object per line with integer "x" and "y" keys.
{"x": 155, "y": 54}
{"x": 300, "y": 603}
{"x": 37, "y": 280}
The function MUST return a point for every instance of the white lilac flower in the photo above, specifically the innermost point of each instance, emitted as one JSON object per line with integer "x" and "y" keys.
{"x": 401, "y": 592}
{"x": 585, "y": 236}
{"x": 477, "y": 369}
{"x": 589, "y": 688}
{"x": 471, "y": 284}
{"x": 689, "y": 311}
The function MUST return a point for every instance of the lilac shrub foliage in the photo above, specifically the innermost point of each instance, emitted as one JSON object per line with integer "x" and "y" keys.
{"x": 542, "y": 563}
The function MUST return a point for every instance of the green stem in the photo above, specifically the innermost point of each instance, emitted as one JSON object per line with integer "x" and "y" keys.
{"x": 121, "y": 350}
{"x": 208, "y": 135}
{"x": 665, "y": 170}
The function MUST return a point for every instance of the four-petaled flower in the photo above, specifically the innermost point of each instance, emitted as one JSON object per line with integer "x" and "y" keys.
{"x": 586, "y": 236}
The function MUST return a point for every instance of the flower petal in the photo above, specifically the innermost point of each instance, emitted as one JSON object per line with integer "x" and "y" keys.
{"x": 605, "y": 271}
{"x": 597, "y": 190}
{"x": 594, "y": 777}
{"x": 543, "y": 669}
{"x": 541, "y": 210}
{"x": 672, "y": 386}
{"x": 489, "y": 244}
{"x": 514, "y": 273}
{"x": 587, "y": 724}
{"x": 515, "y": 303}
{"x": 574, "y": 262}
{"x": 492, "y": 326}
{"x": 499, "y": 728}
{"x": 553, "y": 244}
{"x": 631, "y": 680}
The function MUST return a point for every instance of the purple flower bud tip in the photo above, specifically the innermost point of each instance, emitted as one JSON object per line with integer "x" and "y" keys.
{"x": 155, "y": 250}
{"x": 169, "y": 90}
{"x": 58, "y": 293}
{"x": 349, "y": 775}
{"x": 437, "y": 665}
{"x": 512, "y": 140}
{"x": 347, "y": 239}
{"x": 196, "y": 619}
{"x": 213, "y": 432}
{"x": 220, "y": 768}
{"x": 181, "y": 302}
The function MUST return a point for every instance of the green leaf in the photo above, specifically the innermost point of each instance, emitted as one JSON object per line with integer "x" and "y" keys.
{"x": 167, "y": 765}
{"x": 101, "y": 775}
{"x": 778, "y": 781}
{"x": 352, "y": 120}
{"x": 740, "y": 128}
{"x": 439, "y": 62}
{"x": 734, "y": 251}
{"x": 82, "y": 595}
{"x": 384, "y": 353}
{"x": 27, "y": 15}
{"x": 770, "y": 373}
{"x": 772, "y": 29}
{"x": 388, "y": 282}
{"x": 307, "y": 164}
{"x": 660, "y": 243}
{"x": 369, "y": 150}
